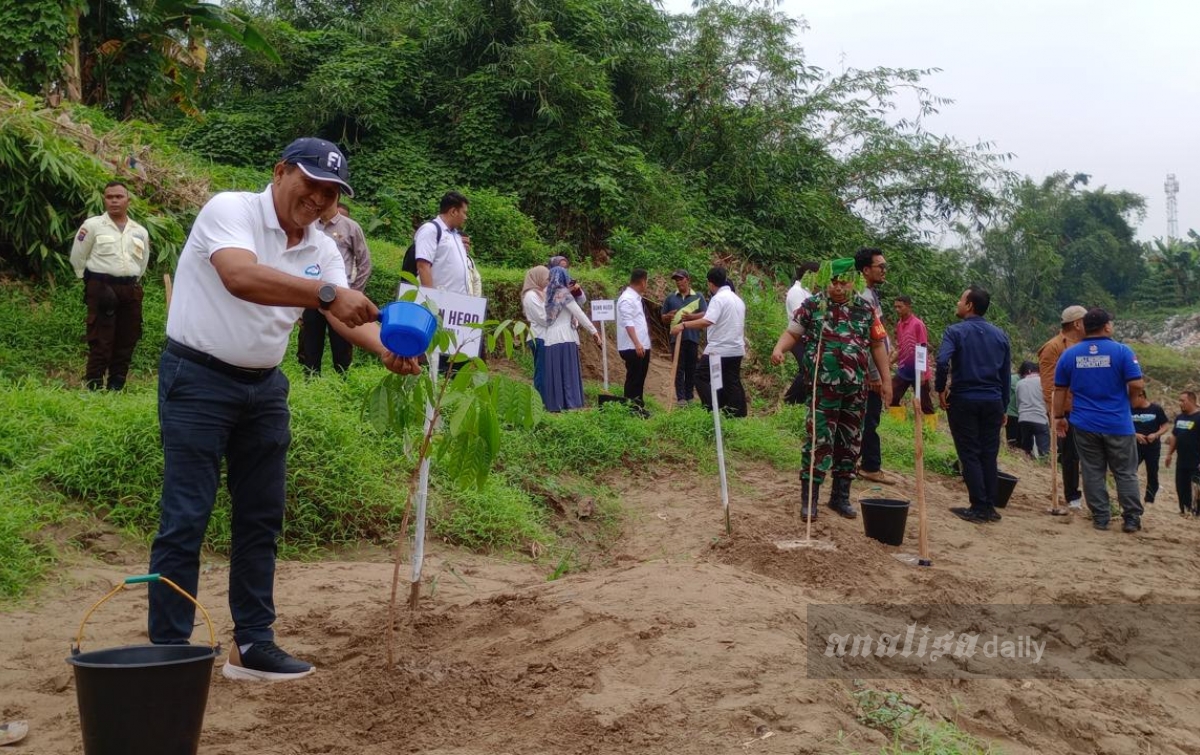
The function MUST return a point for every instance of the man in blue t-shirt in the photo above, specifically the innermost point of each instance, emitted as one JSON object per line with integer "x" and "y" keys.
{"x": 1103, "y": 375}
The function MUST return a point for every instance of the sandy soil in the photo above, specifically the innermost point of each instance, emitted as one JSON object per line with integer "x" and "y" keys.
{"x": 681, "y": 641}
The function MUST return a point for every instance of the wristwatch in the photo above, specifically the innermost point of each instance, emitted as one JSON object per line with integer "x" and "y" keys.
{"x": 326, "y": 294}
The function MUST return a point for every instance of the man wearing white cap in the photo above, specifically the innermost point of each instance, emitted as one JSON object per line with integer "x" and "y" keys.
{"x": 250, "y": 266}
{"x": 1070, "y": 334}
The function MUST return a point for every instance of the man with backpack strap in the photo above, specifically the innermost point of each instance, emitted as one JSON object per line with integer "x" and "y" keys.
{"x": 440, "y": 250}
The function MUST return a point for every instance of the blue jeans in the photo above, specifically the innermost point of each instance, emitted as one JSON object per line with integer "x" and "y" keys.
{"x": 205, "y": 416}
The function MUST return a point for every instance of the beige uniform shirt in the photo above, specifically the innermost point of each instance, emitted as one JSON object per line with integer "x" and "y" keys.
{"x": 102, "y": 247}
{"x": 348, "y": 235}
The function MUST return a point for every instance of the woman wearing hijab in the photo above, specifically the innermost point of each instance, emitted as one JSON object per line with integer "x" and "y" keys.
{"x": 533, "y": 303}
{"x": 562, "y": 381}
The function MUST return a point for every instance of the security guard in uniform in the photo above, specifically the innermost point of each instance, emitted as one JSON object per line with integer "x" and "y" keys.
{"x": 110, "y": 254}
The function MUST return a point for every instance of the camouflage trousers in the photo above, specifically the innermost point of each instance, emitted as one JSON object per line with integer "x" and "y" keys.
{"x": 839, "y": 422}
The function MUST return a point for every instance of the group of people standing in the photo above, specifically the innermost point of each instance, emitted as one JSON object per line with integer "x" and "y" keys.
{"x": 255, "y": 263}
{"x": 1105, "y": 422}
{"x": 551, "y": 302}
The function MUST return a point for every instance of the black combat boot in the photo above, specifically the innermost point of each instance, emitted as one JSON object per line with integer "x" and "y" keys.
{"x": 839, "y": 498}
{"x": 808, "y": 505}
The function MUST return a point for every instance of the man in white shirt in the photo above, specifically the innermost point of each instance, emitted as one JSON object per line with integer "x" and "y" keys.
{"x": 443, "y": 261}
{"x": 250, "y": 266}
{"x": 110, "y": 254}
{"x": 797, "y": 392}
{"x": 633, "y": 338}
{"x": 725, "y": 320}
{"x": 798, "y": 294}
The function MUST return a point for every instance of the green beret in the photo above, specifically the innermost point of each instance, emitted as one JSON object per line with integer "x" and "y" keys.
{"x": 841, "y": 267}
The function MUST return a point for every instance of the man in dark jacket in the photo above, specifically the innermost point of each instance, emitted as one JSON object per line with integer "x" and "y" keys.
{"x": 977, "y": 358}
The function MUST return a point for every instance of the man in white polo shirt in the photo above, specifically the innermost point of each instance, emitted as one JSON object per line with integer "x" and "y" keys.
{"x": 250, "y": 266}
{"x": 725, "y": 320}
{"x": 443, "y": 261}
{"x": 633, "y": 338}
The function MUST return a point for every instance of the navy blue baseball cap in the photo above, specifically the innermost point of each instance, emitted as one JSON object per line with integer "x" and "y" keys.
{"x": 320, "y": 160}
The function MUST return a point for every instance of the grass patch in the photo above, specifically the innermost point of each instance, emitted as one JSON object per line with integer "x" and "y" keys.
{"x": 42, "y": 332}
{"x": 1173, "y": 370}
{"x": 898, "y": 444}
{"x": 25, "y": 555}
{"x": 769, "y": 438}
{"x": 910, "y": 732}
{"x": 498, "y": 516}
{"x": 66, "y": 452}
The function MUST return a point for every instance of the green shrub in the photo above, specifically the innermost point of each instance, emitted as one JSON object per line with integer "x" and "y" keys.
{"x": 24, "y": 557}
{"x": 42, "y": 331}
{"x": 54, "y": 174}
{"x": 252, "y": 139}
{"x": 899, "y": 450}
{"x": 655, "y": 250}
{"x": 1174, "y": 369}
{"x": 345, "y": 482}
{"x": 500, "y": 516}
{"x": 502, "y": 235}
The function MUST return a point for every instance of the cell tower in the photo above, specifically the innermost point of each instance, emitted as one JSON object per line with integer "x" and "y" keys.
{"x": 1172, "y": 188}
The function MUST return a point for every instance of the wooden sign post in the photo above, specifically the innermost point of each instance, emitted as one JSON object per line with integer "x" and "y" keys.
{"x": 604, "y": 310}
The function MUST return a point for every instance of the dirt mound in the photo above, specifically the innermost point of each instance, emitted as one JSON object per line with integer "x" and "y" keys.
{"x": 686, "y": 640}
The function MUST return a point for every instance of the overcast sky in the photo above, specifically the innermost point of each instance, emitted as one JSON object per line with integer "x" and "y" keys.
{"x": 1106, "y": 87}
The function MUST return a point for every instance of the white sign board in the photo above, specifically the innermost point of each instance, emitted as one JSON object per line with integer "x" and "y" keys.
{"x": 714, "y": 373}
{"x": 604, "y": 310}
{"x": 922, "y": 361}
{"x": 457, "y": 312}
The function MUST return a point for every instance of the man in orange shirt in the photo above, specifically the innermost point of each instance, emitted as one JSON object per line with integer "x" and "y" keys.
{"x": 1070, "y": 334}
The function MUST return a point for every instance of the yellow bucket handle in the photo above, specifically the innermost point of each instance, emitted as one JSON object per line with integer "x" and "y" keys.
{"x": 145, "y": 578}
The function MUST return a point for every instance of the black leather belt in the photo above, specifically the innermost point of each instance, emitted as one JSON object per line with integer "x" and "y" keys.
{"x": 243, "y": 374}
{"x": 106, "y": 278}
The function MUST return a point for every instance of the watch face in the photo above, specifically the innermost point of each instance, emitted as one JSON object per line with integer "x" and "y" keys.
{"x": 326, "y": 293}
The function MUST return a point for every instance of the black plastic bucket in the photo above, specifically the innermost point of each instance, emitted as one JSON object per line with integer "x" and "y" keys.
{"x": 1005, "y": 483}
{"x": 884, "y": 519}
{"x": 143, "y": 699}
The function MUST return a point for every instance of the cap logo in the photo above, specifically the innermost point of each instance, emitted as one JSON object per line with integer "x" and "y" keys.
{"x": 333, "y": 161}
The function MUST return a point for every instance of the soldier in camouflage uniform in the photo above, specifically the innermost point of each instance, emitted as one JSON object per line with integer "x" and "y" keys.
{"x": 839, "y": 332}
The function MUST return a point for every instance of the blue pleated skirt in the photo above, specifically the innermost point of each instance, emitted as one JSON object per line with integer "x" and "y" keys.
{"x": 562, "y": 382}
